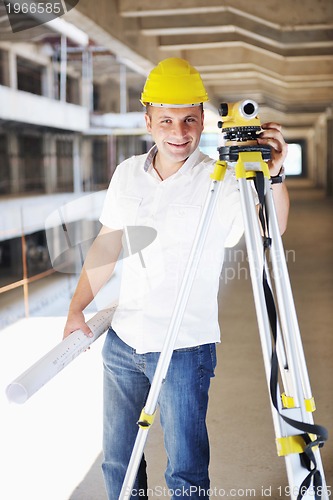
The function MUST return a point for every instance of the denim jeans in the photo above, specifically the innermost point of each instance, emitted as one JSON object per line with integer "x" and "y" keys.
{"x": 183, "y": 406}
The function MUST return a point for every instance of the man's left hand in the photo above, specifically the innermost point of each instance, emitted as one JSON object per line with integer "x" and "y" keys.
{"x": 272, "y": 136}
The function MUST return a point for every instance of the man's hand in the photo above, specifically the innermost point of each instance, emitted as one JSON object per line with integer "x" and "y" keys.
{"x": 75, "y": 321}
{"x": 272, "y": 136}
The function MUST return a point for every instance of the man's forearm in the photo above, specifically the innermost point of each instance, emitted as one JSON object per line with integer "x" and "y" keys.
{"x": 87, "y": 288}
{"x": 281, "y": 202}
{"x": 98, "y": 268}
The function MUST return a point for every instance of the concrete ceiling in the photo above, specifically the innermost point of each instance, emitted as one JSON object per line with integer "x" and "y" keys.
{"x": 278, "y": 52}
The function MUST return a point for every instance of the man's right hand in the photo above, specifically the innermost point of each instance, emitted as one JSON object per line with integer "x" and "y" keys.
{"x": 75, "y": 321}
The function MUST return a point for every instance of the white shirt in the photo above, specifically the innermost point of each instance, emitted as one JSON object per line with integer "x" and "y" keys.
{"x": 151, "y": 277}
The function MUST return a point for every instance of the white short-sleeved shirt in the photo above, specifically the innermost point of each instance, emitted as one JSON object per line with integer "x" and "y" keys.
{"x": 151, "y": 277}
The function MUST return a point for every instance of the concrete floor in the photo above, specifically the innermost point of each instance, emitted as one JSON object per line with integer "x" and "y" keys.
{"x": 60, "y": 427}
{"x": 244, "y": 462}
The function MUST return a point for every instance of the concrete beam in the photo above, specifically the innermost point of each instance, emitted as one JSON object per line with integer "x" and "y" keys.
{"x": 107, "y": 28}
{"x": 299, "y": 12}
{"x": 28, "y": 108}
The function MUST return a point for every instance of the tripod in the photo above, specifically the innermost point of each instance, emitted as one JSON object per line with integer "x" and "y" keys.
{"x": 280, "y": 336}
{"x": 279, "y": 333}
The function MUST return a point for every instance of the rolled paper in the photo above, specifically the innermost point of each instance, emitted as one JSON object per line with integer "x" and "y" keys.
{"x": 41, "y": 372}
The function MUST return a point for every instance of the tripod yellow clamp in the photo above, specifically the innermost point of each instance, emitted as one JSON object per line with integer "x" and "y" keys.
{"x": 146, "y": 420}
{"x": 289, "y": 402}
{"x": 250, "y": 157}
{"x": 219, "y": 171}
{"x": 292, "y": 444}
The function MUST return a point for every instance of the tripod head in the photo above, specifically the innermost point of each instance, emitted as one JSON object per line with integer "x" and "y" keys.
{"x": 240, "y": 128}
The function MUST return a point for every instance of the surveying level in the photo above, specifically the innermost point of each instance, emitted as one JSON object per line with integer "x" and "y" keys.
{"x": 298, "y": 438}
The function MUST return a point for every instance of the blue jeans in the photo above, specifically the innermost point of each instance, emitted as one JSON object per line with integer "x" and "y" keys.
{"x": 183, "y": 406}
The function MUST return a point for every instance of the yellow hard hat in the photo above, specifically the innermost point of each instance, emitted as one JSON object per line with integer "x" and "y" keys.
{"x": 174, "y": 82}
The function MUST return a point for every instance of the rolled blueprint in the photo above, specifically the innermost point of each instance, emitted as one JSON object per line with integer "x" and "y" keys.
{"x": 41, "y": 372}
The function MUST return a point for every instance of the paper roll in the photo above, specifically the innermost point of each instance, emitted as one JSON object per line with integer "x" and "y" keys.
{"x": 35, "y": 377}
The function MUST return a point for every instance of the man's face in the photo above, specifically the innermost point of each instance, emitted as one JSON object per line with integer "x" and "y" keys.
{"x": 176, "y": 131}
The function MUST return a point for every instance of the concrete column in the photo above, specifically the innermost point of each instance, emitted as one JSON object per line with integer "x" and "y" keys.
{"x": 77, "y": 170}
{"x": 310, "y": 154}
{"x": 123, "y": 89}
{"x": 322, "y": 146}
{"x": 14, "y": 163}
{"x": 48, "y": 89}
{"x": 86, "y": 163}
{"x": 12, "y": 70}
{"x": 87, "y": 80}
{"x": 320, "y": 152}
{"x": 63, "y": 68}
{"x": 50, "y": 163}
{"x": 112, "y": 155}
{"x": 329, "y": 161}
{"x": 5, "y": 67}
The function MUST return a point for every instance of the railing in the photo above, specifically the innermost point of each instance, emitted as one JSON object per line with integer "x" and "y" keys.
{"x": 26, "y": 280}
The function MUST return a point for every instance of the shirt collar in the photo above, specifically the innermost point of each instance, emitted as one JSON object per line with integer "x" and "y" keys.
{"x": 150, "y": 157}
{"x": 185, "y": 168}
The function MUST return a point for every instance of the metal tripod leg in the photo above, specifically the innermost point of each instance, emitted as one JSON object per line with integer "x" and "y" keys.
{"x": 293, "y": 365}
{"x": 303, "y": 398}
{"x": 148, "y": 412}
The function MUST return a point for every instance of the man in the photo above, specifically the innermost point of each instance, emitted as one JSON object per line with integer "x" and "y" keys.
{"x": 165, "y": 190}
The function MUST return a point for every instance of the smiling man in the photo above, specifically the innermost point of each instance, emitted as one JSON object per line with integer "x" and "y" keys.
{"x": 166, "y": 189}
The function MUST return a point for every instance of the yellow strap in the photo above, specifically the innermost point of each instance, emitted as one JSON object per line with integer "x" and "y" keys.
{"x": 146, "y": 420}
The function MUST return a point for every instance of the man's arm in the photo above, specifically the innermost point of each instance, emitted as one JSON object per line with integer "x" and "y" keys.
{"x": 272, "y": 136}
{"x": 97, "y": 269}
